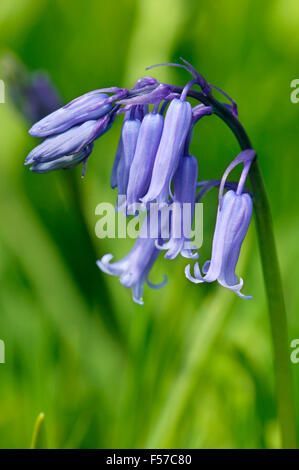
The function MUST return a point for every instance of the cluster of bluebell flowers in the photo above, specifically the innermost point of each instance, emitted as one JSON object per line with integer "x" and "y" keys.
{"x": 153, "y": 163}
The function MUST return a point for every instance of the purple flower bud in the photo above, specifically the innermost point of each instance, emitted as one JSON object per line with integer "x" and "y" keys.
{"x": 85, "y": 108}
{"x": 129, "y": 135}
{"x": 65, "y": 162}
{"x": 69, "y": 142}
{"x": 147, "y": 145}
{"x": 232, "y": 223}
{"x": 176, "y": 127}
{"x": 59, "y": 145}
{"x": 134, "y": 268}
{"x": 184, "y": 191}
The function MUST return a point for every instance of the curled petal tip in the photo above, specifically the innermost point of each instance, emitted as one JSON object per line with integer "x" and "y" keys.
{"x": 189, "y": 254}
{"x": 103, "y": 263}
{"x": 237, "y": 289}
{"x": 189, "y": 275}
{"x": 159, "y": 285}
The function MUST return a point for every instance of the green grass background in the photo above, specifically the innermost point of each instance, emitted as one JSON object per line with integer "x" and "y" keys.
{"x": 193, "y": 367}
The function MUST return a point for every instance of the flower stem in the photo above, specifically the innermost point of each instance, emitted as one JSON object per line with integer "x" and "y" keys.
{"x": 272, "y": 278}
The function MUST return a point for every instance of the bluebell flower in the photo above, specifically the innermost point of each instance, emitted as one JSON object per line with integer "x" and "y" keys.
{"x": 70, "y": 129}
{"x": 65, "y": 162}
{"x": 134, "y": 268}
{"x": 144, "y": 157}
{"x": 232, "y": 223}
{"x": 69, "y": 142}
{"x": 126, "y": 151}
{"x": 86, "y": 108}
{"x": 176, "y": 128}
{"x": 233, "y": 219}
{"x": 184, "y": 192}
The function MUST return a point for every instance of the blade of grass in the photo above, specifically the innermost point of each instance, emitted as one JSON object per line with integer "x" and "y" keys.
{"x": 39, "y": 440}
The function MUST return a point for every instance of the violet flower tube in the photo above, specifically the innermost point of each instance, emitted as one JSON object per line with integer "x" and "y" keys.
{"x": 233, "y": 219}
{"x": 67, "y": 143}
{"x": 176, "y": 127}
{"x": 144, "y": 157}
{"x": 129, "y": 136}
{"x": 232, "y": 223}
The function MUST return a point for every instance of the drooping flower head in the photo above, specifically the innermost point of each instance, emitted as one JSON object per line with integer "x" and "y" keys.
{"x": 153, "y": 164}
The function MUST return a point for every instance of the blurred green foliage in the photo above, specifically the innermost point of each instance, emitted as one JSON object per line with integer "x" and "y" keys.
{"x": 193, "y": 367}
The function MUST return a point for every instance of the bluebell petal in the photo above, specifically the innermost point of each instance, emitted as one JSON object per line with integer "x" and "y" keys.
{"x": 158, "y": 285}
{"x": 189, "y": 276}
